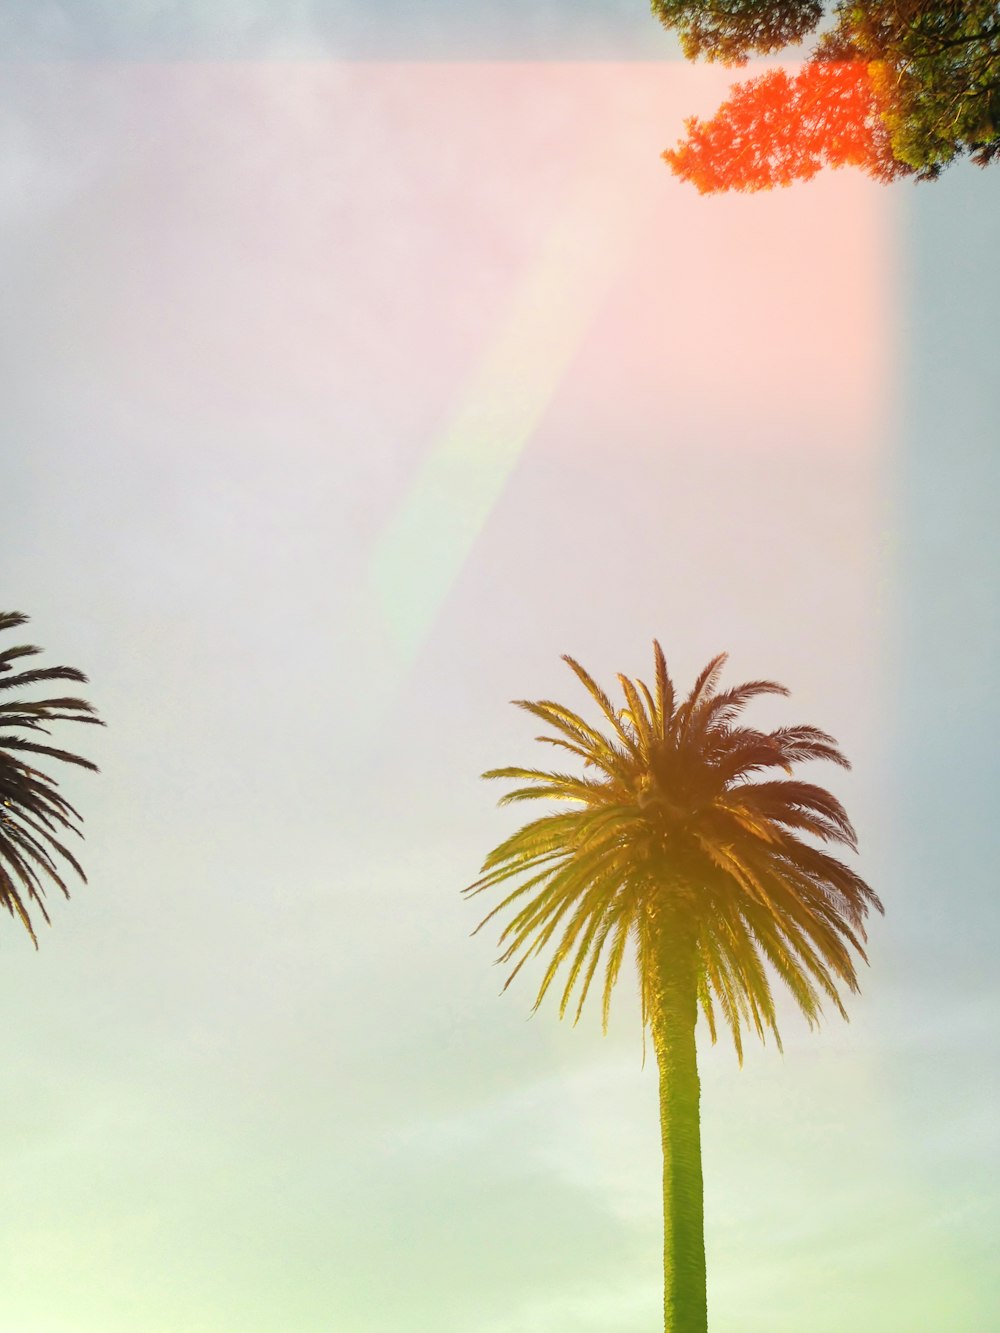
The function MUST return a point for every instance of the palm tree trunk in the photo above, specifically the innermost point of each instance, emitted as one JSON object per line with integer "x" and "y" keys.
{"x": 674, "y": 1013}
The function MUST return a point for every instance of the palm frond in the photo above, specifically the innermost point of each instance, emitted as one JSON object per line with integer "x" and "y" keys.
{"x": 43, "y": 673}
{"x": 598, "y": 748}
{"x": 637, "y": 715}
{"x": 605, "y": 705}
{"x": 601, "y": 887}
{"x": 15, "y": 743}
{"x": 568, "y": 883}
{"x": 602, "y": 916}
{"x": 651, "y": 709}
{"x": 744, "y": 752}
{"x": 664, "y": 691}
{"x": 516, "y": 893}
{"x": 586, "y": 755}
{"x": 31, "y": 808}
{"x": 552, "y": 786}
{"x": 675, "y": 808}
{"x": 702, "y": 688}
{"x": 801, "y": 743}
{"x": 616, "y": 954}
{"x": 797, "y": 804}
{"x": 564, "y": 720}
{"x": 721, "y": 708}
{"x": 543, "y": 835}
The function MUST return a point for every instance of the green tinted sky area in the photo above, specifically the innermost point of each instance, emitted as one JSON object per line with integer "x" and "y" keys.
{"x": 342, "y": 395}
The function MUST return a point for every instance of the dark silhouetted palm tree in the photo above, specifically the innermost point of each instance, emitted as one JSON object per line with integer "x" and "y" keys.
{"x": 32, "y": 812}
{"x": 678, "y": 848}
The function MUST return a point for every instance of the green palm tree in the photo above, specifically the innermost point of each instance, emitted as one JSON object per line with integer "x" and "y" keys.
{"x": 31, "y": 809}
{"x": 677, "y": 847}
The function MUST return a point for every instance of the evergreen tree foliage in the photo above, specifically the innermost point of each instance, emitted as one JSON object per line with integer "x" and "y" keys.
{"x": 919, "y": 79}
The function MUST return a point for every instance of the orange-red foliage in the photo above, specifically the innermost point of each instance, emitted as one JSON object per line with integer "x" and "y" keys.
{"x": 778, "y": 128}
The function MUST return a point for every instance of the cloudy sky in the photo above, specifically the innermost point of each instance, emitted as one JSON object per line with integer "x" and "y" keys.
{"x": 356, "y": 367}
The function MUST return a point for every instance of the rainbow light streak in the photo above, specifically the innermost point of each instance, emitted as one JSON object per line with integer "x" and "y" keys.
{"x": 419, "y": 556}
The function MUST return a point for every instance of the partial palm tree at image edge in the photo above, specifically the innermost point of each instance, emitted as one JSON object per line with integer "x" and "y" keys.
{"x": 677, "y": 848}
{"x": 32, "y": 811}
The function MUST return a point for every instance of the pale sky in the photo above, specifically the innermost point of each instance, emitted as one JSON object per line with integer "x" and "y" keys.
{"x": 350, "y": 380}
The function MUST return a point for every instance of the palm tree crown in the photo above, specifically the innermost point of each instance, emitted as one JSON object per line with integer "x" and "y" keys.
{"x": 675, "y": 833}
{"x": 31, "y": 809}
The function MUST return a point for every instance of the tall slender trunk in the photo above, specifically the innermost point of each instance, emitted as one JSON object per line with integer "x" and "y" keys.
{"x": 674, "y": 1013}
